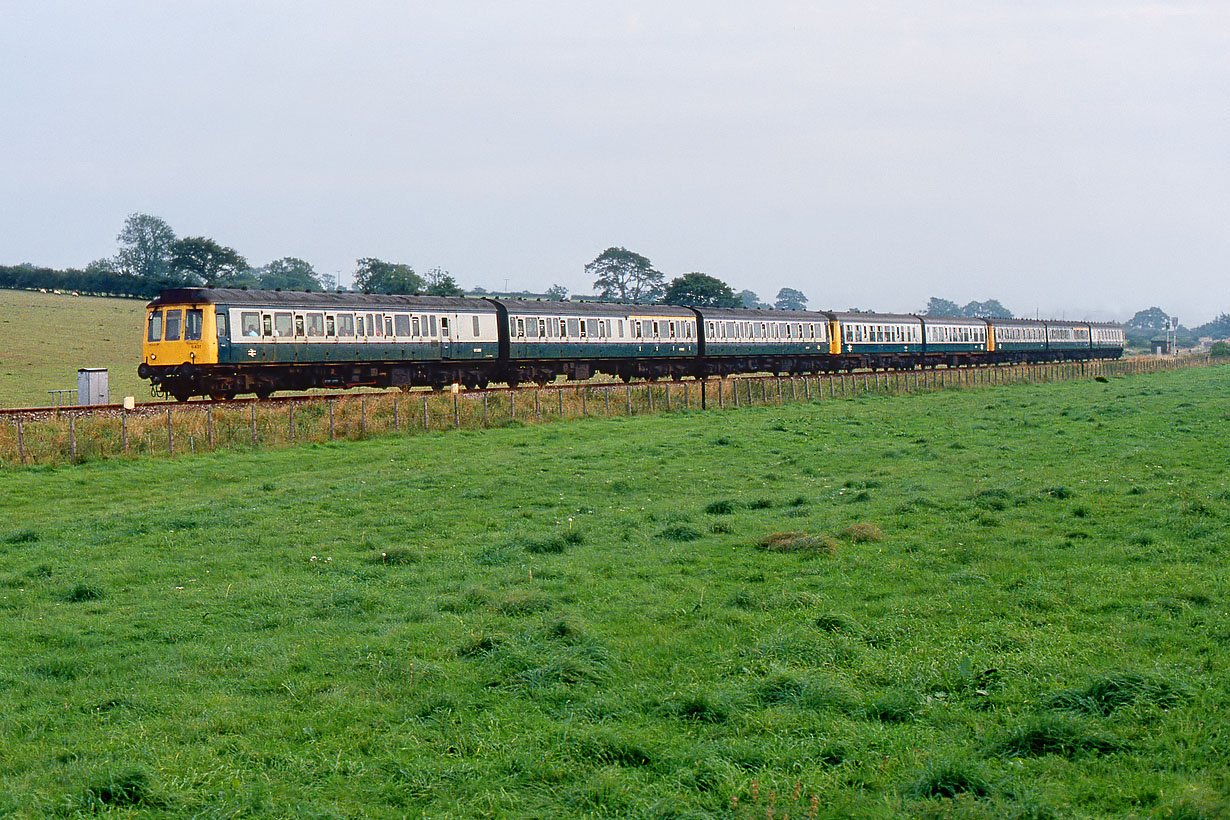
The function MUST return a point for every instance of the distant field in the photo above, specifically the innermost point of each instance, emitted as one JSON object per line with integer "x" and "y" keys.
{"x": 45, "y": 338}
{"x": 1009, "y": 602}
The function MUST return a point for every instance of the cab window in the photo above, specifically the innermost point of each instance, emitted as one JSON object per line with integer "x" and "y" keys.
{"x": 173, "y": 320}
{"x": 155, "y": 326}
{"x": 193, "y": 324}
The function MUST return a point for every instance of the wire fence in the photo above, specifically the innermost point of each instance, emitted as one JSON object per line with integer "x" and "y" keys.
{"x": 62, "y": 436}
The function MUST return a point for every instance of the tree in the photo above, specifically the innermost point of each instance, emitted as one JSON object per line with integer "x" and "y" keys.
{"x": 441, "y": 283}
{"x": 790, "y": 299}
{"x": 629, "y": 277}
{"x": 990, "y": 309}
{"x": 1219, "y": 328}
{"x": 1220, "y": 349}
{"x": 557, "y": 293}
{"x": 700, "y": 290}
{"x": 1152, "y": 319}
{"x": 750, "y": 300}
{"x": 941, "y": 307}
{"x": 377, "y": 276}
{"x": 289, "y": 273}
{"x": 198, "y": 260}
{"x": 145, "y": 247}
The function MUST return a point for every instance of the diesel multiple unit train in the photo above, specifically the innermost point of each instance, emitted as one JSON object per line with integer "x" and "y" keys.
{"x": 220, "y": 343}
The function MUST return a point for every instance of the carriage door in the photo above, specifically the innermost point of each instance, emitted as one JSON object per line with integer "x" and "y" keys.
{"x": 446, "y": 339}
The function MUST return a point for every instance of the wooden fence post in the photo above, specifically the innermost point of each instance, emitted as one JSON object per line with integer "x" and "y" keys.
{"x": 72, "y": 438}
{"x": 21, "y": 442}
{"x": 331, "y": 428}
{"x": 290, "y": 421}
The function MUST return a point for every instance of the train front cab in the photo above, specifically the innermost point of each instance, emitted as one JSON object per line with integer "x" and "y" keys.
{"x": 179, "y": 338}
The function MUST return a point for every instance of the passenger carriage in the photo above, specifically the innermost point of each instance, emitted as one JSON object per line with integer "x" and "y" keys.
{"x": 954, "y": 341}
{"x": 878, "y": 340}
{"x": 737, "y": 340}
{"x": 1067, "y": 341}
{"x": 579, "y": 339}
{"x": 1106, "y": 339}
{"x": 1016, "y": 340}
{"x": 222, "y": 342}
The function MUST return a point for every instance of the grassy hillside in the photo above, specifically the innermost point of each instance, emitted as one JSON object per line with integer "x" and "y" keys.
{"x": 47, "y": 337}
{"x": 1003, "y": 603}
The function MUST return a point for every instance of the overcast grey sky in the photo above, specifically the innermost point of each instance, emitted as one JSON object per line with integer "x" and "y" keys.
{"x": 1067, "y": 157}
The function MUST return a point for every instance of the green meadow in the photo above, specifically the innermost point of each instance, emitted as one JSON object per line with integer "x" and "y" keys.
{"x": 47, "y": 337}
{"x": 999, "y": 603}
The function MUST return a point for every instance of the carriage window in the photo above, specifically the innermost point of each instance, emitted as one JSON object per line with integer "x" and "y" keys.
{"x": 267, "y": 324}
{"x": 299, "y": 325}
{"x": 173, "y": 320}
{"x": 414, "y": 326}
{"x": 315, "y": 324}
{"x": 444, "y": 326}
{"x": 345, "y": 324}
{"x": 193, "y": 324}
{"x": 388, "y": 326}
{"x": 593, "y": 327}
{"x": 330, "y": 327}
{"x": 401, "y": 325}
{"x": 431, "y": 324}
{"x": 574, "y": 327}
{"x": 283, "y": 324}
{"x": 542, "y": 328}
{"x": 250, "y": 321}
{"x": 520, "y": 328}
{"x": 637, "y": 331}
{"x": 155, "y": 326}
{"x": 584, "y": 329}
{"x": 620, "y": 326}
{"x": 602, "y": 331}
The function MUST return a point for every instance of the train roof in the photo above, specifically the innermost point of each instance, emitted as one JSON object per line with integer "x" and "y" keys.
{"x": 318, "y": 301}
{"x": 762, "y": 314}
{"x": 868, "y": 316}
{"x": 552, "y": 308}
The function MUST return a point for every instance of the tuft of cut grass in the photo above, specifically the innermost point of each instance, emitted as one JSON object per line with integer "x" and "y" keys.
{"x": 951, "y": 779}
{"x": 681, "y": 532}
{"x": 722, "y": 507}
{"x": 396, "y": 556}
{"x": 862, "y": 532}
{"x": 129, "y": 787}
{"x": 798, "y": 542}
{"x": 1054, "y": 735}
{"x": 84, "y": 592}
{"x": 1106, "y": 694}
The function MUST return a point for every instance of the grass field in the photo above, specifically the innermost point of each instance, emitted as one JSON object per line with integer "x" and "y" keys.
{"x": 48, "y": 337}
{"x": 1009, "y": 602}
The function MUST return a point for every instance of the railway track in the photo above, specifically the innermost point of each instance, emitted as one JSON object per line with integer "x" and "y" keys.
{"x": 144, "y": 408}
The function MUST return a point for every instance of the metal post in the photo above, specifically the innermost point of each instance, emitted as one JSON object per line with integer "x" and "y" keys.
{"x": 209, "y": 427}
{"x": 537, "y": 405}
{"x": 704, "y": 398}
{"x": 124, "y": 431}
{"x": 253, "y": 407}
{"x": 559, "y": 397}
{"x": 649, "y": 396}
{"x": 72, "y": 438}
{"x": 396, "y": 426}
{"x": 21, "y": 442}
{"x": 424, "y": 414}
{"x": 584, "y": 401}
{"x": 363, "y": 418}
{"x": 685, "y": 396}
{"x": 668, "y": 397}
{"x": 331, "y": 433}
{"x": 721, "y": 398}
{"x": 170, "y": 438}
{"x": 290, "y": 421}
{"x": 628, "y": 391}
{"x": 456, "y": 410}
{"x": 734, "y": 391}
{"x": 484, "y": 409}
{"x": 512, "y": 403}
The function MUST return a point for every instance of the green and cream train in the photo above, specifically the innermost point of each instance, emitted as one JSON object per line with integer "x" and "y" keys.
{"x": 221, "y": 343}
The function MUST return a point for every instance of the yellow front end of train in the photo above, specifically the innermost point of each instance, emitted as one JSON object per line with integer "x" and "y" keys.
{"x": 178, "y": 335}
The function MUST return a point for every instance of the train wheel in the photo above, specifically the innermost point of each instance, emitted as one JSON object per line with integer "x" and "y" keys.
{"x": 181, "y": 396}
{"x": 263, "y": 393}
